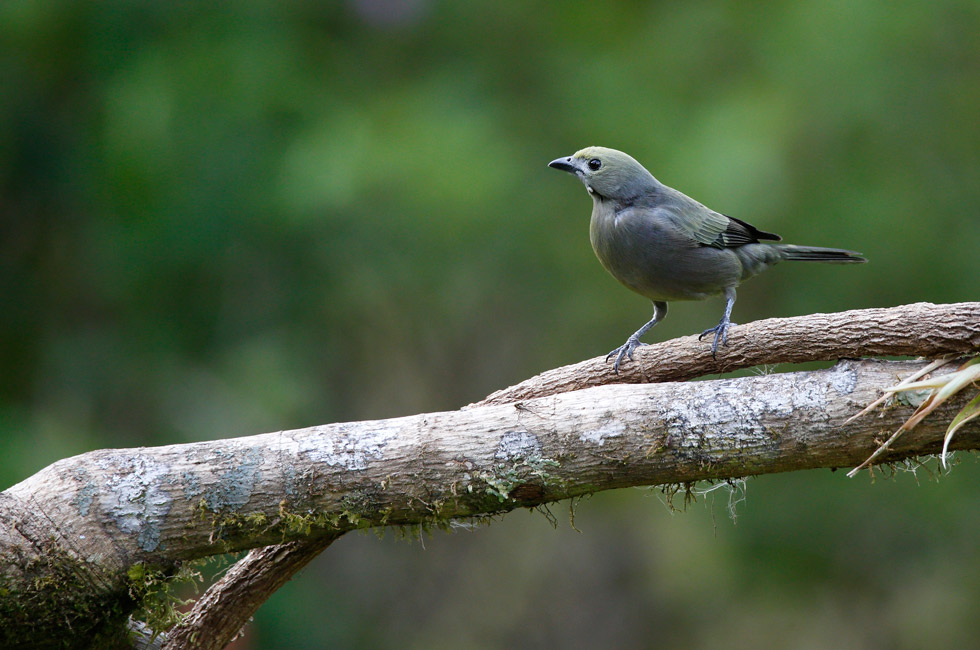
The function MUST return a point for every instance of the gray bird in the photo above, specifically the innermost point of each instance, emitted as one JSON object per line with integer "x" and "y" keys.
{"x": 666, "y": 246}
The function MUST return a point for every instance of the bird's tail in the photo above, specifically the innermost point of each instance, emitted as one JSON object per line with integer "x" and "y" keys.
{"x": 817, "y": 254}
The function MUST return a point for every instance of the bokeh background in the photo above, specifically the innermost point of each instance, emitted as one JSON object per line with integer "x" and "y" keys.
{"x": 224, "y": 219}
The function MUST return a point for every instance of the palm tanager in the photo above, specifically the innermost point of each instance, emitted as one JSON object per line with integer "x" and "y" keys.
{"x": 666, "y": 246}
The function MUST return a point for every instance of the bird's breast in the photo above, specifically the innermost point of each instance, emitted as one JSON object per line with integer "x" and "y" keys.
{"x": 650, "y": 256}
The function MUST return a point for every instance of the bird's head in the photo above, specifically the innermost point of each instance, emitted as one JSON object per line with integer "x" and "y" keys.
{"x": 607, "y": 173}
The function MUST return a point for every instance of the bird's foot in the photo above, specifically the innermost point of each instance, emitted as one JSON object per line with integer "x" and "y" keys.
{"x": 625, "y": 350}
{"x": 721, "y": 334}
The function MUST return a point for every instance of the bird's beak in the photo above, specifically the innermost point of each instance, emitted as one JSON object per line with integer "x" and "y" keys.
{"x": 565, "y": 164}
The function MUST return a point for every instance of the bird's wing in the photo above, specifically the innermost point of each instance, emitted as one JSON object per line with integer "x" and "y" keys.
{"x": 710, "y": 228}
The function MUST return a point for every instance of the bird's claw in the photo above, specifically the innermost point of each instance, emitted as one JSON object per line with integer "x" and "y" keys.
{"x": 625, "y": 350}
{"x": 721, "y": 334}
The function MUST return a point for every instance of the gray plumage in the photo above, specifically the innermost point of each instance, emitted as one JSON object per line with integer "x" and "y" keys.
{"x": 666, "y": 246}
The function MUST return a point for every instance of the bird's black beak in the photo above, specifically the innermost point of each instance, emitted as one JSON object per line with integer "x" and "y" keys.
{"x": 565, "y": 164}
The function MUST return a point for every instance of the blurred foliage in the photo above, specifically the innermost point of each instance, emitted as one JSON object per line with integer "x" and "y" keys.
{"x": 218, "y": 220}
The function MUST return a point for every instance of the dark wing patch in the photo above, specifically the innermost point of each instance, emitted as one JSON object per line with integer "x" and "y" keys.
{"x": 738, "y": 233}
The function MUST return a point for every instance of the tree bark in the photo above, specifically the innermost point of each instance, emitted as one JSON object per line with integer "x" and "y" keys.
{"x": 223, "y": 610}
{"x": 919, "y": 330}
{"x": 72, "y": 534}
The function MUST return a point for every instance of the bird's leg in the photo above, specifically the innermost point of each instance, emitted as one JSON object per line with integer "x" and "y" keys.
{"x": 721, "y": 329}
{"x": 633, "y": 342}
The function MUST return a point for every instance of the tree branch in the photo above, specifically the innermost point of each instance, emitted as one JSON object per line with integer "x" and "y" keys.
{"x": 71, "y": 535}
{"x": 227, "y": 605}
{"x": 917, "y": 330}
{"x": 938, "y": 329}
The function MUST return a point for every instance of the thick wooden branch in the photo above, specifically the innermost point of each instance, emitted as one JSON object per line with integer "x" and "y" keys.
{"x": 939, "y": 330}
{"x": 70, "y": 535}
{"x": 918, "y": 330}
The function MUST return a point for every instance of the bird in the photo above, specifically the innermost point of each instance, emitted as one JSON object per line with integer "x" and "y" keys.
{"x": 666, "y": 246}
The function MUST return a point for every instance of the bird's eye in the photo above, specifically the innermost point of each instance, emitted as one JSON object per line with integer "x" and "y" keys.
{"x": 595, "y": 164}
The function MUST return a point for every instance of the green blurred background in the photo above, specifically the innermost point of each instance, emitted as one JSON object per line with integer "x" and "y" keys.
{"x": 226, "y": 219}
